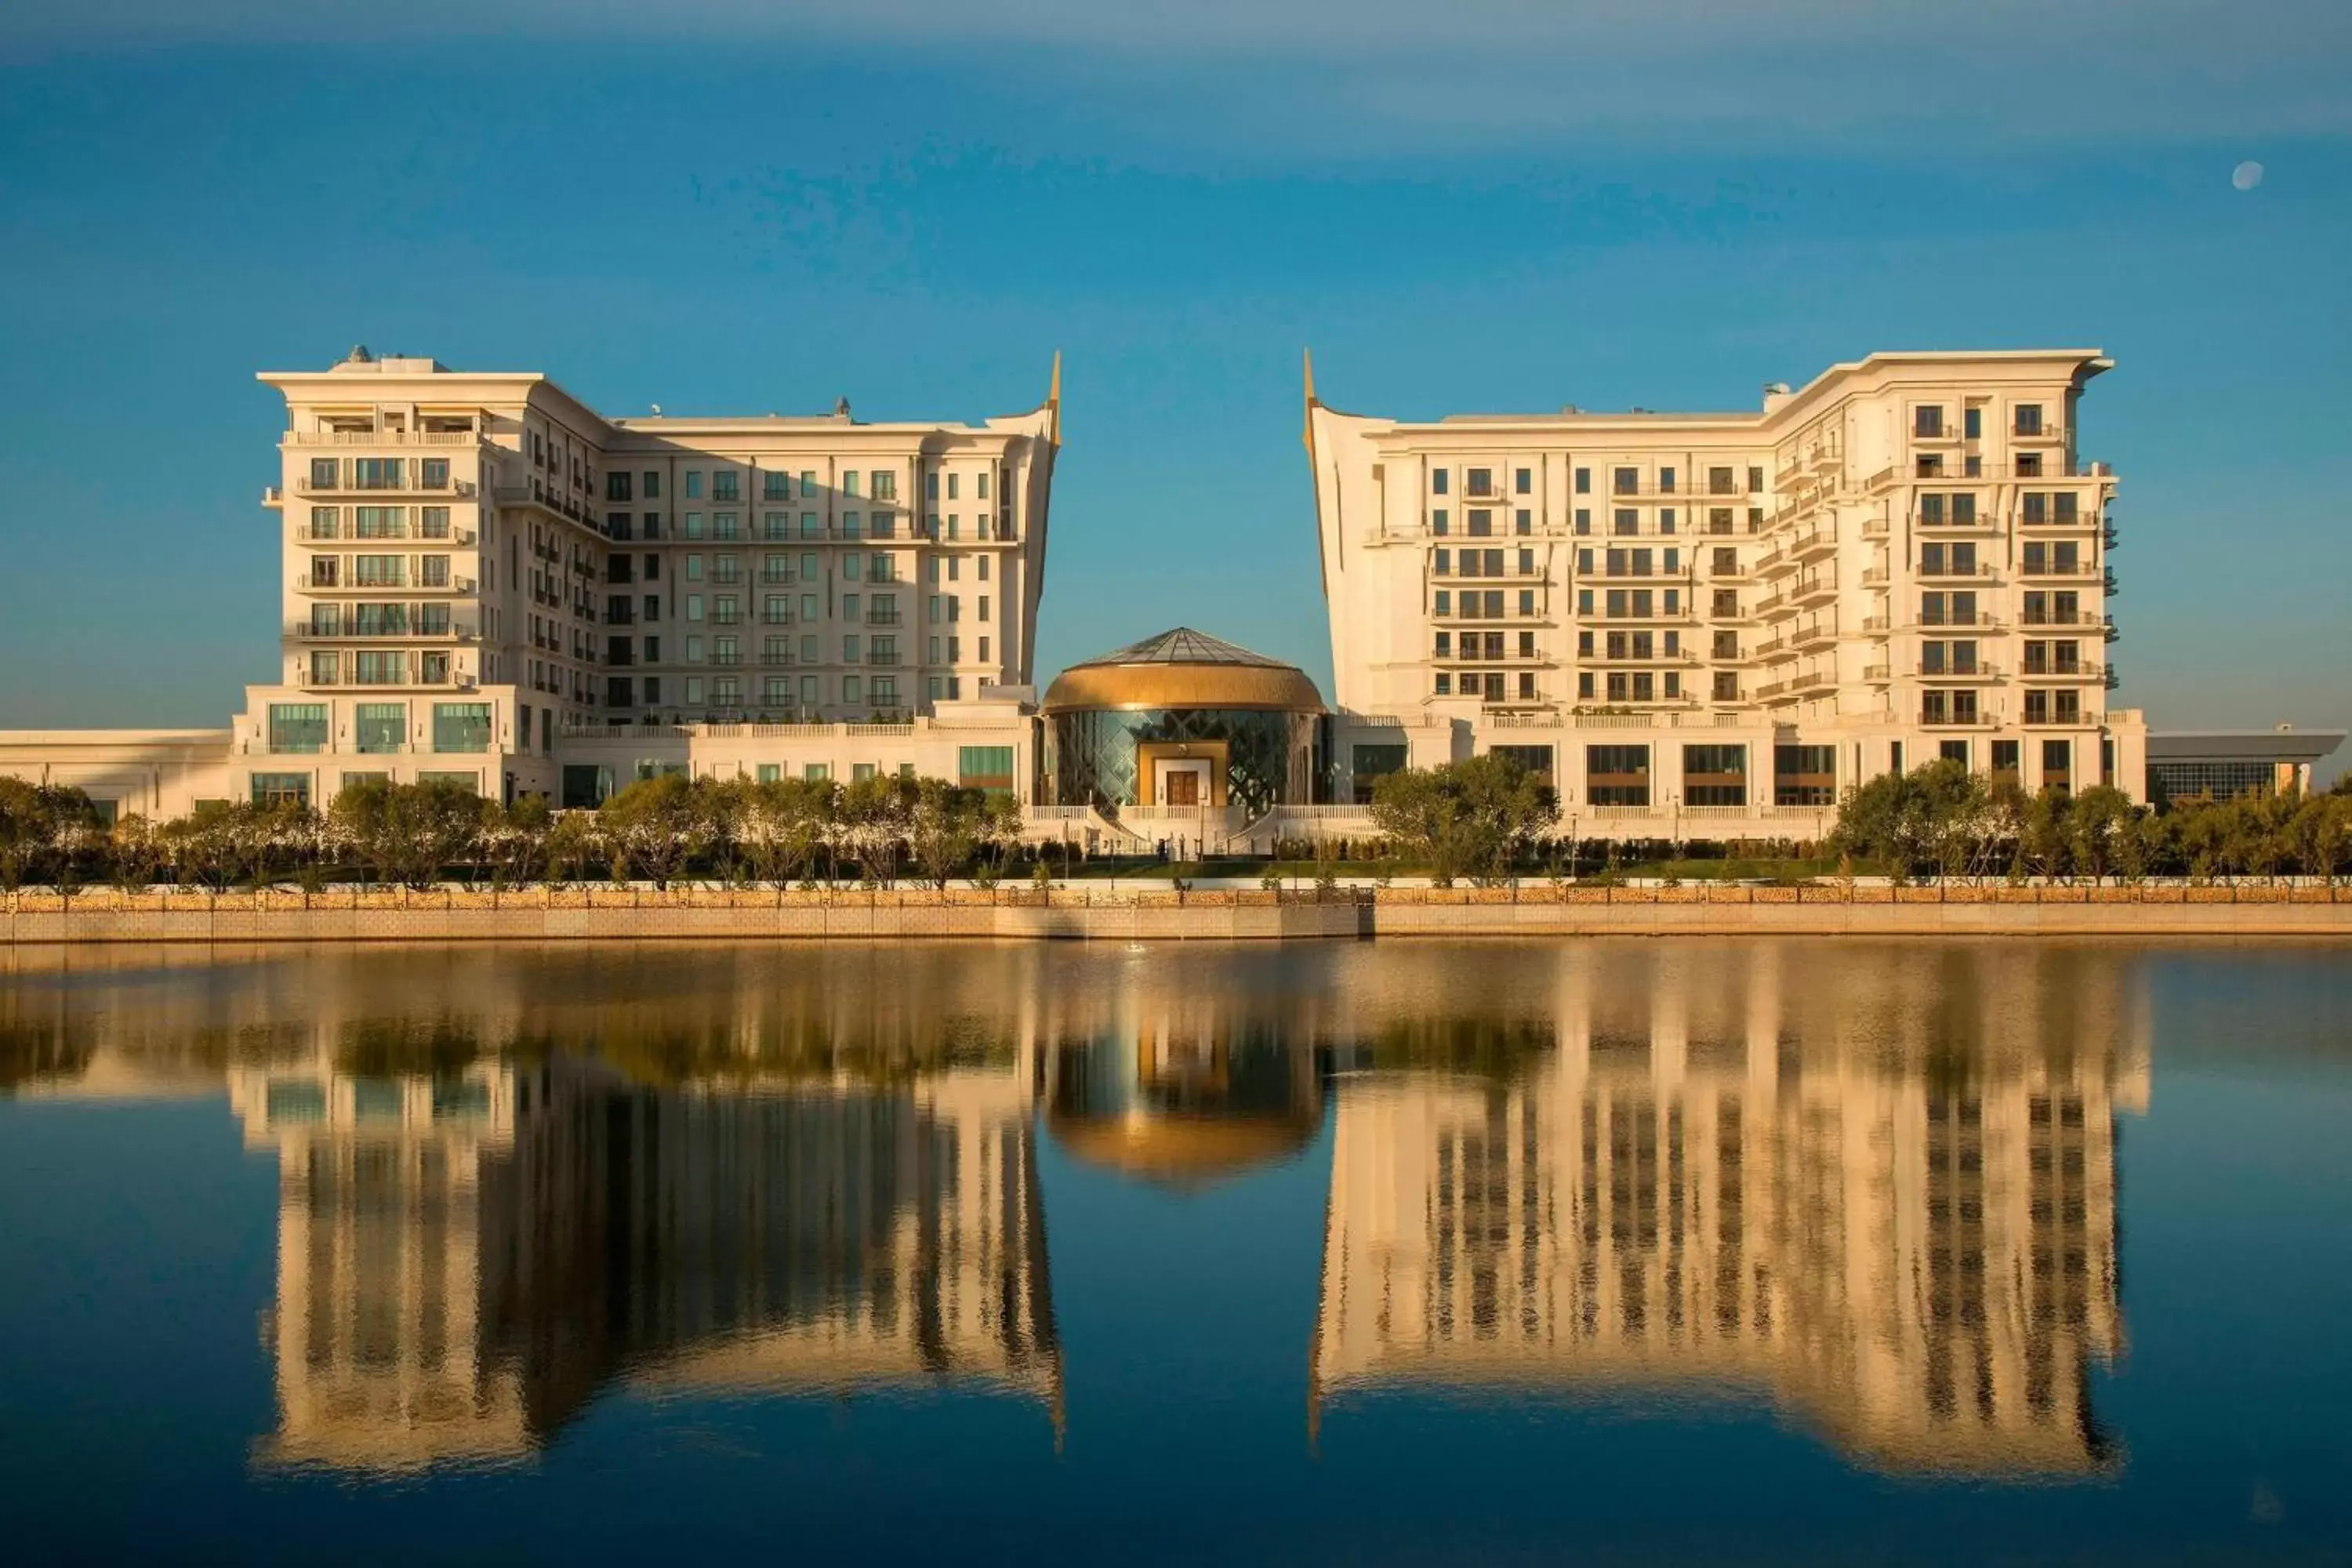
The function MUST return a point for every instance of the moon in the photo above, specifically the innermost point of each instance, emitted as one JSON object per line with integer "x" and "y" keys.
{"x": 2246, "y": 175}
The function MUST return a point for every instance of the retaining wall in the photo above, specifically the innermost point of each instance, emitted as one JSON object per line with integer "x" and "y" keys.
{"x": 1133, "y": 914}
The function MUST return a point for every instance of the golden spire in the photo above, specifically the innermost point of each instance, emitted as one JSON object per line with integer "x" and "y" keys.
{"x": 1307, "y": 435}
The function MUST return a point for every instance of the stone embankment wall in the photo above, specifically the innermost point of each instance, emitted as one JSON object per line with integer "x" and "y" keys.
{"x": 1131, "y": 913}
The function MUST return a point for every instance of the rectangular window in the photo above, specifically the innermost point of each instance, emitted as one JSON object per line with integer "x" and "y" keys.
{"x": 1714, "y": 775}
{"x": 1584, "y": 481}
{"x": 1617, "y": 776}
{"x": 1627, "y": 482}
{"x": 985, "y": 767}
{"x": 376, "y": 473}
{"x": 297, "y": 726}
{"x": 378, "y": 727}
{"x": 281, "y": 789}
{"x": 694, "y": 484}
{"x": 1927, "y": 422}
{"x": 1804, "y": 775}
{"x": 461, "y": 726}
{"x": 2028, "y": 420}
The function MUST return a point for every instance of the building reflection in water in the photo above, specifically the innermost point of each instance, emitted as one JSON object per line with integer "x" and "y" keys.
{"x": 1880, "y": 1191}
{"x": 468, "y": 1256}
{"x": 1872, "y": 1183}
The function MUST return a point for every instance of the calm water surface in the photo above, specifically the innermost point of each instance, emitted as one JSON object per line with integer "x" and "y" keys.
{"x": 1377, "y": 1253}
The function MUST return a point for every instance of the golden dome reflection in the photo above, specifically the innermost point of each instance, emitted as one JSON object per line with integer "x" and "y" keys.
{"x": 1186, "y": 1151}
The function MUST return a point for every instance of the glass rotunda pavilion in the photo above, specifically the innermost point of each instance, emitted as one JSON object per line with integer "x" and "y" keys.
{"x": 1182, "y": 719}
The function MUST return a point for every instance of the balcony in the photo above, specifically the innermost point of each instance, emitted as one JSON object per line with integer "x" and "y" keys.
{"x": 380, "y": 438}
{"x": 1819, "y": 635}
{"x": 409, "y": 631}
{"x": 1817, "y": 589}
{"x": 1980, "y": 671}
{"x": 2066, "y": 619}
{"x": 1953, "y": 570}
{"x": 1876, "y": 674}
{"x": 2081, "y": 669}
{"x": 884, "y": 618}
{"x": 2041, "y": 435}
{"x": 2061, "y": 569}
{"x": 2052, "y": 468}
{"x": 1951, "y": 718}
{"x": 410, "y": 485}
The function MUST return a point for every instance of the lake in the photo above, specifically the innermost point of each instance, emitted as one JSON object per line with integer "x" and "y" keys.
{"x": 1389, "y": 1252}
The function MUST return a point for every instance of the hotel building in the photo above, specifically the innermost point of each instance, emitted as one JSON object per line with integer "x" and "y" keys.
{"x": 1727, "y": 618}
{"x": 1702, "y": 625}
{"x": 484, "y": 579}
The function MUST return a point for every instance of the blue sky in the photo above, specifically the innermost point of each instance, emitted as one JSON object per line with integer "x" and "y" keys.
{"x": 914, "y": 203}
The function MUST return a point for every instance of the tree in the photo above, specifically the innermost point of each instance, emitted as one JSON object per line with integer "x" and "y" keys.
{"x": 2099, "y": 825}
{"x": 42, "y": 829}
{"x": 2043, "y": 840}
{"x": 515, "y": 839}
{"x": 1475, "y": 817}
{"x": 656, "y": 826}
{"x": 410, "y": 834}
{"x": 783, "y": 824}
{"x": 943, "y": 829}
{"x": 1938, "y": 816}
{"x": 573, "y": 843}
{"x": 999, "y": 829}
{"x": 134, "y": 853}
{"x": 875, "y": 816}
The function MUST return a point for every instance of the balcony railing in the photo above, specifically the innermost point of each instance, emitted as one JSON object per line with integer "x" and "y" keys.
{"x": 408, "y": 631}
{"x": 380, "y": 438}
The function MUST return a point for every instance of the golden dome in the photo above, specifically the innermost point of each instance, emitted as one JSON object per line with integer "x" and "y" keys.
{"x": 1184, "y": 668}
{"x": 1180, "y": 1151}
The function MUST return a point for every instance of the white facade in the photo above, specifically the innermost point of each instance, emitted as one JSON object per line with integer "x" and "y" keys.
{"x": 478, "y": 572}
{"x": 1712, "y": 623}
